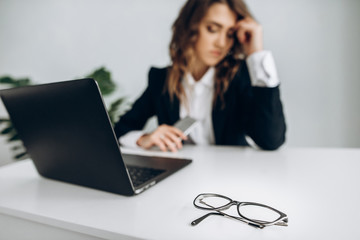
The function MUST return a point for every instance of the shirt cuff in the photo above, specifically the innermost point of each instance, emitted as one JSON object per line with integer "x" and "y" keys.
{"x": 130, "y": 139}
{"x": 262, "y": 69}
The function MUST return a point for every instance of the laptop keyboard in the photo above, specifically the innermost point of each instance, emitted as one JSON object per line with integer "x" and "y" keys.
{"x": 139, "y": 175}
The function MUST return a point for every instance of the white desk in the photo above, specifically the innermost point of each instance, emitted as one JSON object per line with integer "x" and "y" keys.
{"x": 317, "y": 188}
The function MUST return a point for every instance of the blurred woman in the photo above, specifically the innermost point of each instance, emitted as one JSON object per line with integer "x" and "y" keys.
{"x": 220, "y": 75}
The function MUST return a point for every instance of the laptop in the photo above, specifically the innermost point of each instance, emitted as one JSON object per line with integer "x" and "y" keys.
{"x": 68, "y": 135}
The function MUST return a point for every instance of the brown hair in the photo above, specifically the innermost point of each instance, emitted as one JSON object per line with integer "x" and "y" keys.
{"x": 185, "y": 34}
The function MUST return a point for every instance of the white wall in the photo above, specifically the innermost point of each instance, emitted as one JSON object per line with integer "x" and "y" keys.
{"x": 315, "y": 45}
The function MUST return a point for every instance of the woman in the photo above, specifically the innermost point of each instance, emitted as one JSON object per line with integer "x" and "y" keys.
{"x": 231, "y": 98}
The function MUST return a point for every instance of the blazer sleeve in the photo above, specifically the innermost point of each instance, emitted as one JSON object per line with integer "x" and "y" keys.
{"x": 264, "y": 116}
{"x": 266, "y": 125}
{"x": 142, "y": 109}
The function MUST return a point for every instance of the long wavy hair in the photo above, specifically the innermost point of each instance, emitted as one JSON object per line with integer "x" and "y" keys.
{"x": 185, "y": 34}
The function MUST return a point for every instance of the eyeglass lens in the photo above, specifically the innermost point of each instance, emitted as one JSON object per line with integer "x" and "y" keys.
{"x": 211, "y": 201}
{"x": 258, "y": 213}
{"x": 251, "y": 211}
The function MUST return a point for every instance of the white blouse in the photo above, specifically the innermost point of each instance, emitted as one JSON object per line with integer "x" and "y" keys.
{"x": 198, "y": 105}
{"x": 199, "y": 95}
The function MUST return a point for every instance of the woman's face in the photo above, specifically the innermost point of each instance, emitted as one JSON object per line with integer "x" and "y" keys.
{"x": 216, "y": 35}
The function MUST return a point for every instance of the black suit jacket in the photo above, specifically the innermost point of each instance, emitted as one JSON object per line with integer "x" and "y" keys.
{"x": 248, "y": 110}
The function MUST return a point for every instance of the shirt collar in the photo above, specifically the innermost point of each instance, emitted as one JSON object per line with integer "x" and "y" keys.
{"x": 206, "y": 80}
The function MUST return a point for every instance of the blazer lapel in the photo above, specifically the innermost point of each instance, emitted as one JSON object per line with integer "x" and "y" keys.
{"x": 218, "y": 118}
{"x": 172, "y": 109}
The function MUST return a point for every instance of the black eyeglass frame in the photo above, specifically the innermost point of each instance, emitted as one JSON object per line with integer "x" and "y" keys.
{"x": 282, "y": 220}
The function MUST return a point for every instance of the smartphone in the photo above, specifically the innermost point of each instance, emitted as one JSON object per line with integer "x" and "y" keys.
{"x": 186, "y": 125}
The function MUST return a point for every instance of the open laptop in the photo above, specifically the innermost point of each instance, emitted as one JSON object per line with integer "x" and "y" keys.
{"x": 66, "y": 131}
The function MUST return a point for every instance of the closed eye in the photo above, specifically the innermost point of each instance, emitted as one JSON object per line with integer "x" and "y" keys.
{"x": 212, "y": 28}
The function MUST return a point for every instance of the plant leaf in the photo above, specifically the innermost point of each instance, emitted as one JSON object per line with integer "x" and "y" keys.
{"x": 114, "y": 110}
{"x": 4, "y": 120}
{"x": 17, "y": 147}
{"x": 103, "y": 78}
{"x": 15, "y": 82}
{"x": 8, "y": 130}
{"x": 13, "y": 138}
{"x": 20, "y": 156}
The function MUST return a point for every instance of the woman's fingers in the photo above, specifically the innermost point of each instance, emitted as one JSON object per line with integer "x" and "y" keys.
{"x": 170, "y": 144}
{"x": 178, "y": 133}
{"x": 241, "y": 32}
{"x": 160, "y": 143}
{"x": 249, "y": 34}
{"x": 172, "y": 138}
{"x": 165, "y": 137}
{"x": 175, "y": 140}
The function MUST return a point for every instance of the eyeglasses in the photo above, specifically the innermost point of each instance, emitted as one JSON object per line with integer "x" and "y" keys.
{"x": 254, "y": 214}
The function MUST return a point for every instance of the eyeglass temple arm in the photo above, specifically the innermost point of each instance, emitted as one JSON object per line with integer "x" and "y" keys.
{"x": 283, "y": 222}
{"x": 200, "y": 219}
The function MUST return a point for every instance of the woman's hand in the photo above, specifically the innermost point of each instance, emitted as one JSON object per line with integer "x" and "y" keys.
{"x": 250, "y": 35}
{"x": 165, "y": 137}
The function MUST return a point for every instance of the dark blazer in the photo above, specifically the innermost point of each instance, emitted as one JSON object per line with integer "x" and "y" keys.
{"x": 248, "y": 110}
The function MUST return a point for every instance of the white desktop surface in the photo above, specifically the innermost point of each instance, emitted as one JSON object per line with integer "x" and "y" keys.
{"x": 317, "y": 188}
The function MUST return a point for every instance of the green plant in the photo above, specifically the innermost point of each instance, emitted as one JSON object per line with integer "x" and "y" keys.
{"x": 106, "y": 85}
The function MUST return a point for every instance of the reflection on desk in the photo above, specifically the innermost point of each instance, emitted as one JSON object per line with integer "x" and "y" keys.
{"x": 316, "y": 188}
